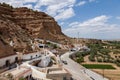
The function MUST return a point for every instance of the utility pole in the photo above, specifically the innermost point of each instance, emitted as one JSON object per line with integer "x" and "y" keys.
{"x": 78, "y": 37}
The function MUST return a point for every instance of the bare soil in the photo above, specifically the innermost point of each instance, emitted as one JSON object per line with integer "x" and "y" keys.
{"x": 109, "y": 73}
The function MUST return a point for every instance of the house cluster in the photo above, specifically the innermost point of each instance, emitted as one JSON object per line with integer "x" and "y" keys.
{"x": 42, "y": 71}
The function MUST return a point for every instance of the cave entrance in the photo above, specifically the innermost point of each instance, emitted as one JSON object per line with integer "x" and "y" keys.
{"x": 16, "y": 59}
{"x": 7, "y": 63}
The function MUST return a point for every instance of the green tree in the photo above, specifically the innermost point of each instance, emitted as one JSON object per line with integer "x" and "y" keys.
{"x": 80, "y": 59}
{"x": 104, "y": 51}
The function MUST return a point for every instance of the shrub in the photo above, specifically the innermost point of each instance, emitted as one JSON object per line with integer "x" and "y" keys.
{"x": 7, "y": 5}
{"x": 91, "y": 58}
{"x": 105, "y": 51}
{"x": 80, "y": 59}
{"x": 99, "y": 60}
{"x": 54, "y": 46}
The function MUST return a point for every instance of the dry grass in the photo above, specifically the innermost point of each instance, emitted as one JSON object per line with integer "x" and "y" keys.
{"x": 111, "y": 74}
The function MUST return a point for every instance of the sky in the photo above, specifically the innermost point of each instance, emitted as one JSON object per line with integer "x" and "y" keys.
{"x": 98, "y": 19}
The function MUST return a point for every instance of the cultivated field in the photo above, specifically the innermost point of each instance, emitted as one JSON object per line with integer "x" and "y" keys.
{"x": 98, "y": 66}
{"x": 108, "y": 70}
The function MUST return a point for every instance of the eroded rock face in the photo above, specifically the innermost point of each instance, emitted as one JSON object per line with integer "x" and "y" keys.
{"x": 38, "y": 24}
{"x": 9, "y": 31}
{"x": 5, "y": 50}
{"x": 20, "y": 25}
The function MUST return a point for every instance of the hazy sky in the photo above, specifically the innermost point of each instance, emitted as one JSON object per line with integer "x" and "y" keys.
{"x": 90, "y": 18}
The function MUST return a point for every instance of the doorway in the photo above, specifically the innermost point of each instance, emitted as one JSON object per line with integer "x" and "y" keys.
{"x": 7, "y": 63}
{"x": 16, "y": 59}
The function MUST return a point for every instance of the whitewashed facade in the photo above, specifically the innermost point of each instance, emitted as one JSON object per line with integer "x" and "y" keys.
{"x": 31, "y": 56}
{"x": 11, "y": 59}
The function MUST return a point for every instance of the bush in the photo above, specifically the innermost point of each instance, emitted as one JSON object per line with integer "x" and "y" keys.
{"x": 118, "y": 64}
{"x": 99, "y": 60}
{"x": 91, "y": 58}
{"x": 105, "y": 51}
{"x": 6, "y": 5}
{"x": 78, "y": 54}
{"x": 54, "y": 46}
{"x": 80, "y": 59}
{"x": 111, "y": 61}
{"x": 48, "y": 43}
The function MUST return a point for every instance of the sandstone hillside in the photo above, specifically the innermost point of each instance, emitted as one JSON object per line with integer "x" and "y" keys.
{"x": 18, "y": 26}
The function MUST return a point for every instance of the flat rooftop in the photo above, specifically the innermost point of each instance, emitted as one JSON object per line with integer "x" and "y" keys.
{"x": 57, "y": 71}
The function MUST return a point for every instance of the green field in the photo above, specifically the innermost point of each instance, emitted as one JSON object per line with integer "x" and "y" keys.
{"x": 98, "y": 66}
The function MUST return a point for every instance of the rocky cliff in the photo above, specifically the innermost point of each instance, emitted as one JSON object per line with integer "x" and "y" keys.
{"x": 37, "y": 24}
{"x": 20, "y": 25}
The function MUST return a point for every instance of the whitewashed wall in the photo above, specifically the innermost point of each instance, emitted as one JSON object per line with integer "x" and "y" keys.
{"x": 10, "y": 58}
{"x": 28, "y": 56}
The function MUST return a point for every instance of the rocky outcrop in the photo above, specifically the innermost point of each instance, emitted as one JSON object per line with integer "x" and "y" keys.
{"x": 18, "y": 26}
{"x": 38, "y": 24}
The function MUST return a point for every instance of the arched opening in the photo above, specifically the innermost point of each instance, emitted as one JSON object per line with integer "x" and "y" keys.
{"x": 7, "y": 63}
{"x": 36, "y": 56}
{"x": 16, "y": 59}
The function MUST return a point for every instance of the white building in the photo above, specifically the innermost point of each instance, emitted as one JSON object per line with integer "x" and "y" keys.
{"x": 6, "y": 61}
